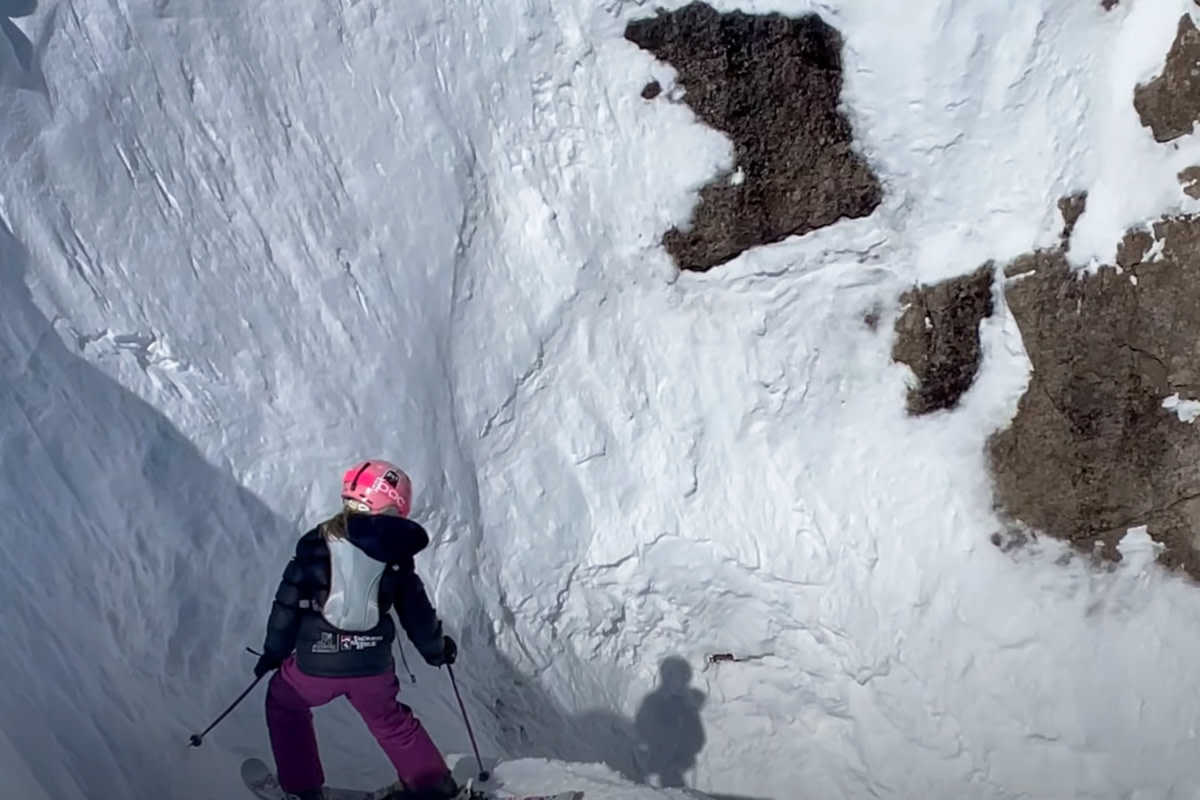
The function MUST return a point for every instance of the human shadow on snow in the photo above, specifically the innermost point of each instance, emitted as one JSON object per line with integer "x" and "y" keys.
{"x": 670, "y": 733}
{"x": 655, "y": 748}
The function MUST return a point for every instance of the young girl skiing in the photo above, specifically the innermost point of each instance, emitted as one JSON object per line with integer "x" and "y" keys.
{"x": 330, "y": 635}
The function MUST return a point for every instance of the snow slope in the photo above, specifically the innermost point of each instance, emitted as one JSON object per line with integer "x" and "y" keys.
{"x": 246, "y": 243}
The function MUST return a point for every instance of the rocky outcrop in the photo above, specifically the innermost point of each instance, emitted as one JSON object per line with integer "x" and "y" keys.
{"x": 1101, "y": 442}
{"x": 937, "y": 336}
{"x": 1170, "y": 104}
{"x": 772, "y": 84}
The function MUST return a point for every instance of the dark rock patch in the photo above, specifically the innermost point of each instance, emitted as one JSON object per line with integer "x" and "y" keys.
{"x": 1189, "y": 180}
{"x": 1071, "y": 207}
{"x": 773, "y": 85}
{"x": 1092, "y": 451}
{"x": 1169, "y": 105}
{"x": 937, "y": 336}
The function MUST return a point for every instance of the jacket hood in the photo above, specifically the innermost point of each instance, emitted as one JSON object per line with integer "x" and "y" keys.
{"x": 391, "y": 540}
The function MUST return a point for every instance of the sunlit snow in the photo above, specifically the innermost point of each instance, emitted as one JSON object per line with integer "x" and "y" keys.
{"x": 244, "y": 244}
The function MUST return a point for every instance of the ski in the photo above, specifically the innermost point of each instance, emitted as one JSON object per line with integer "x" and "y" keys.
{"x": 261, "y": 781}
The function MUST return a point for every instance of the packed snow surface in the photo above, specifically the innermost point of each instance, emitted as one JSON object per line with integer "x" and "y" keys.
{"x": 246, "y": 243}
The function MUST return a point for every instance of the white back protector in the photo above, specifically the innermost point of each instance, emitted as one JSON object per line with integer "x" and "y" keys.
{"x": 354, "y": 578}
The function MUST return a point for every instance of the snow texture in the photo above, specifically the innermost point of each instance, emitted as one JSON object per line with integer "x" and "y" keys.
{"x": 243, "y": 244}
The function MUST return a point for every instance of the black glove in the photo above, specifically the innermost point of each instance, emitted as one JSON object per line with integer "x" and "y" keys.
{"x": 265, "y": 664}
{"x": 447, "y": 656}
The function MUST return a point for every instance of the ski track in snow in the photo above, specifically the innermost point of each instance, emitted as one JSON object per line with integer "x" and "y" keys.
{"x": 244, "y": 245}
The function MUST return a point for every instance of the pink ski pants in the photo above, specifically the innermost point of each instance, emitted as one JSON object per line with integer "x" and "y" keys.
{"x": 291, "y": 696}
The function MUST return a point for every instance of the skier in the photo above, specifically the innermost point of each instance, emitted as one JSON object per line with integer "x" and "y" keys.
{"x": 329, "y": 635}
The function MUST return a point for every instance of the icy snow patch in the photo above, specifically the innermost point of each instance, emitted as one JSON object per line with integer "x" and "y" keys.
{"x": 1186, "y": 410}
{"x": 1139, "y": 551}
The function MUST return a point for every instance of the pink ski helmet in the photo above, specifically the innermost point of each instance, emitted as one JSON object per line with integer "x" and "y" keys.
{"x": 378, "y": 487}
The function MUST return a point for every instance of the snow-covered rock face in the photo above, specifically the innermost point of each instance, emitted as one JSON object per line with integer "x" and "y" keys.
{"x": 219, "y": 290}
{"x": 1169, "y": 105}
{"x": 262, "y": 240}
{"x": 1094, "y": 448}
{"x": 753, "y": 475}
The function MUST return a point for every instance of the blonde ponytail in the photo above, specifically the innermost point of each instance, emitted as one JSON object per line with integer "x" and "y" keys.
{"x": 335, "y": 526}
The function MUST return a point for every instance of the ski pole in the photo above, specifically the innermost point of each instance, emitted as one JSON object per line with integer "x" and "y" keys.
{"x": 197, "y": 738}
{"x": 404, "y": 661}
{"x": 483, "y": 774}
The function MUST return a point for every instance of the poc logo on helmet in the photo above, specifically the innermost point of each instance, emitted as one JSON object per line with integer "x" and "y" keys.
{"x": 388, "y": 489}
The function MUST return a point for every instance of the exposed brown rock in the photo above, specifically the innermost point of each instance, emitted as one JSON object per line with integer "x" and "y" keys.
{"x": 772, "y": 84}
{"x": 1169, "y": 105}
{"x": 1071, "y": 207}
{"x": 1189, "y": 179}
{"x": 1109, "y": 5}
{"x": 651, "y": 90}
{"x": 937, "y": 336}
{"x": 1091, "y": 451}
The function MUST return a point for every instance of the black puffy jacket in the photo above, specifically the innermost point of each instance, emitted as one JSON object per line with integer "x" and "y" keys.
{"x": 374, "y": 562}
